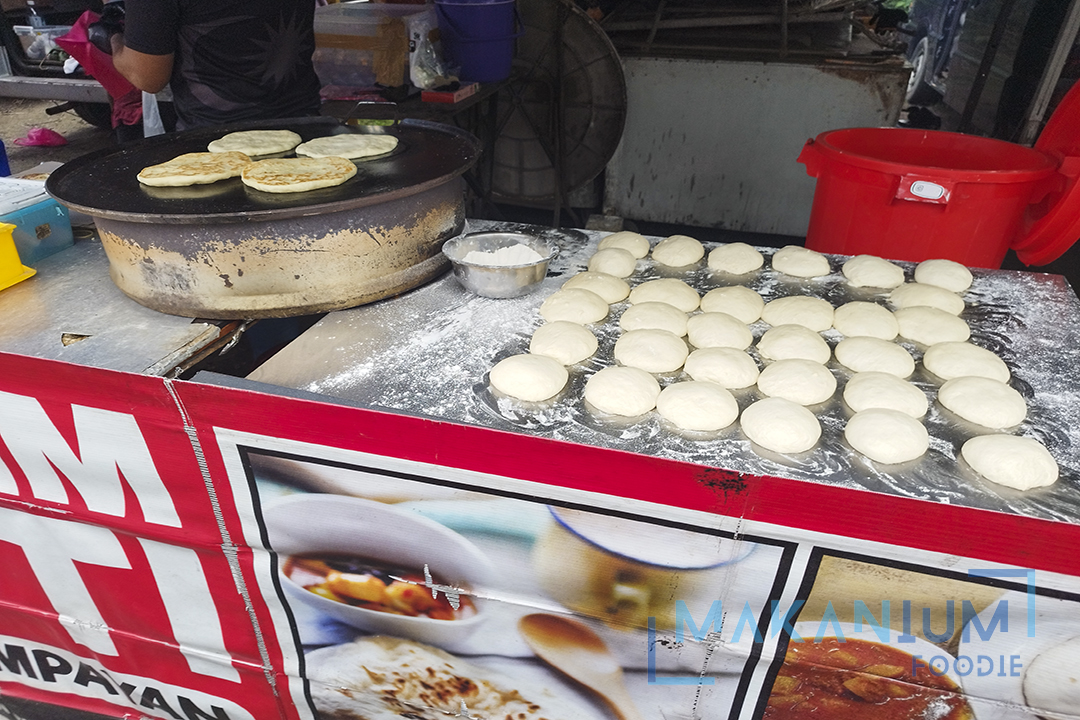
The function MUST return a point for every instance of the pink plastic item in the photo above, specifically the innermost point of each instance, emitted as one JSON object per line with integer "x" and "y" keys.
{"x": 43, "y": 137}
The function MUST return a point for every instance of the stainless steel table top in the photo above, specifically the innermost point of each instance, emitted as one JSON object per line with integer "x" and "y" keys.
{"x": 427, "y": 353}
{"x": 71, "y": 299}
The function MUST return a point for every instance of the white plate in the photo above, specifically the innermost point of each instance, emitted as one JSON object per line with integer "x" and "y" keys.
{"x": 1000, "y": 696}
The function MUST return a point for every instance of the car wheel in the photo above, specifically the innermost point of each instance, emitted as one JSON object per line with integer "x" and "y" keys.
{"x": 919, "y": 92}
{"x": 97, "y": 114}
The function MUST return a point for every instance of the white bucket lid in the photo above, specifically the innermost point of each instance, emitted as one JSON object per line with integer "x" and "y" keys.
{"x": 18, "y": 194}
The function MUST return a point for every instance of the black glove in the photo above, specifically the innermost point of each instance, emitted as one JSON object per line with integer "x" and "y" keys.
{"x": 111, "y": 22}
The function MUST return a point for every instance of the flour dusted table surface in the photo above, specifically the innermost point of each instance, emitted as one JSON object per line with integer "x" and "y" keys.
{"x": 427, "y": 353}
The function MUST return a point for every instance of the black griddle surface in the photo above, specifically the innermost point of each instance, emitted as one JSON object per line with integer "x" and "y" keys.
{"x": 104, "y": 183}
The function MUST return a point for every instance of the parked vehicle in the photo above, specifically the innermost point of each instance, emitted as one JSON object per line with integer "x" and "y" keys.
{"x": 31, "y": 66}
{"x": 934, "y": 27}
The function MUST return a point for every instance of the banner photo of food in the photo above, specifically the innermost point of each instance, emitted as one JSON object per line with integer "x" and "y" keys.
{"x": 896, "y": 642}
{"x": 411, "y": 598}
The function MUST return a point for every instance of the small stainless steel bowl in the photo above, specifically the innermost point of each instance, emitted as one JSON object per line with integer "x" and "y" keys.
{"x": 494, "y": 281}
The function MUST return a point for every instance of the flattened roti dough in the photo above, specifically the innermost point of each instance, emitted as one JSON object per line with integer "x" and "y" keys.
{"x": 194, "y": 169}
{"x": 256, "y": 142}
{"x": 290, "y": 175}
{"x": 350, "y": 146}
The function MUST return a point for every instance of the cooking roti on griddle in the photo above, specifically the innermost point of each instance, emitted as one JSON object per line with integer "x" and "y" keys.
{"x": 348, "y": 145}
{"x": 289, "y": 175}
{"x": 199, "y": 168}
{"x": 256, "y": 142}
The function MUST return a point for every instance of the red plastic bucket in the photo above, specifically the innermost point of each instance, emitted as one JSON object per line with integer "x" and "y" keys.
{"x": 918, "y": 194}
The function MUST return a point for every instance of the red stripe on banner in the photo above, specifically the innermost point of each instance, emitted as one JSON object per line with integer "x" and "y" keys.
{"x": 926, "y": 525}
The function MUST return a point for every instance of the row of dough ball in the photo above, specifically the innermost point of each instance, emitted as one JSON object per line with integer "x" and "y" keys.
{"x": 619, "y": 252}
{"x": 885, "y": 434}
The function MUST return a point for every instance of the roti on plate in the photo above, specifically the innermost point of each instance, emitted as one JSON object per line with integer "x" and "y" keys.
{"x": 348, "y": 145}
{"x": 386, "y": 678}
{"x": 197, "y": 168}
{"x": 256, "y": 142}
{"x": 289, "y": 175}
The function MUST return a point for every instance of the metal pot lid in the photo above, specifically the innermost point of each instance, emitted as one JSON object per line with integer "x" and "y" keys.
{"x": 104, "y": 183}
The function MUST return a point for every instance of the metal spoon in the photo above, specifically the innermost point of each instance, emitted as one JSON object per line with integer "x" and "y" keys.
{"x": 577, "y": 651}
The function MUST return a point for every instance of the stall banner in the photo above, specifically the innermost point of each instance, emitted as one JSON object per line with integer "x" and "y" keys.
{"x": 179, "y": 550}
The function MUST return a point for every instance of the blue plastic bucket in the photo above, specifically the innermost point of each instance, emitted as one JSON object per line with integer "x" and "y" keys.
{"x": 479, "y": 37}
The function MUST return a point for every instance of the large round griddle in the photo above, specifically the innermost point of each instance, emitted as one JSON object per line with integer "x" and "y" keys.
{"x": 104, "y": 183}
{"x": 224, "y": 250}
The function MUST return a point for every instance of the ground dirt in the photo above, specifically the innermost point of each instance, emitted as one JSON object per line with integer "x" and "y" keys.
{"x": 18, "y": 116}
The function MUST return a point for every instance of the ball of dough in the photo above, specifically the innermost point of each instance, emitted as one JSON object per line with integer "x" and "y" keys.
{"x": 613, "y": 261}
{"x": 780, "y": 425}
{"x": 887, "y": 436}
{"x": 930, "y": 326}
{"x": 1017, "y": 462}
{"x": 919, "y": 295}
{"x": 801, "y": 381}
{"x": 867, "y": 390}
{"x": 654, "y": 316}
{"x": 793, "y": 341}
{"x": 655, "y": 351}
{"x": 609, "y": 287}
{"x": 727, "y": 367}
{"x": 986, "y": 402}
{"x": 716, "y": 329}
{"x": 564, "y": 342}
{"x": 867, "y": 354}
{"x": 872, "y": 271}
{"x": 678, "y": 251}
{"x": 810, "y": 312}
{"x": 529, "y": 377}
{"x": 737, "y": 301}
{"x": 622, "y": 391}
{"x": 865, "y": 319}
{"x": 631, "y": 242}
{"x": 574, "y": 305}
{"x": 672, "y": 291}
{"x": 702, "y": 406}
{"x": 797, "y": 261}
{"x": 950, "y": 360}
{"x": 944, "y": 274}
{"x": 735, "y": 258}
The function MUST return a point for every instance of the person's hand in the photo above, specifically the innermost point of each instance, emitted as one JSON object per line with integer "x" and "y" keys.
{"x": 111, "y": 23}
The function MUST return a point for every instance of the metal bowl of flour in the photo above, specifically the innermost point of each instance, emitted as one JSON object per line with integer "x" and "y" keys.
{"x": 498, "y": 280}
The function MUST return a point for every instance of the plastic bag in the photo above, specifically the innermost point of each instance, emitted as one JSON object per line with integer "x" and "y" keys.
{"x": 426, "y": 69}
{"x": 96, "y": 63}
{"x": 43, "y": 137}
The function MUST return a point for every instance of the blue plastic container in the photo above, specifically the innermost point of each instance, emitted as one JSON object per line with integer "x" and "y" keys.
{"x": 479, "y": 37}
{"x": 42, "y": 225}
